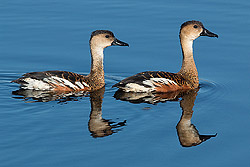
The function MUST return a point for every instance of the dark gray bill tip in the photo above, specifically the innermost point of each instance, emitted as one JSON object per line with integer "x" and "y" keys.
{"x": 119, "y": 43}
{"x": 208, "y": 33}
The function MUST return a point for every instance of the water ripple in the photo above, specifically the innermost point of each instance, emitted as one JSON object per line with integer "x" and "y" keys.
{"x": 211, "y": 90}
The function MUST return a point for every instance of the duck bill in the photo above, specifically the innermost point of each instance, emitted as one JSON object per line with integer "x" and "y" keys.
{"x": 206, "y": 137}
{"x": 208, "y": 33}
{"x": 119, "y": 43}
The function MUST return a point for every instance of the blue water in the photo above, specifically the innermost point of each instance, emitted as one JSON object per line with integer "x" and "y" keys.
{"x": 54, "y": 35}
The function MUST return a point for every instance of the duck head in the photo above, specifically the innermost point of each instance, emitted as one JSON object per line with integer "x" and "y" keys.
{"x": 104, "y": 38}
{"x": 193, "y": 29}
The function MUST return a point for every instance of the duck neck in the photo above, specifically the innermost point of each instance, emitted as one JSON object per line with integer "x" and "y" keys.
{"x": 188, "y": 69}
{"x": 97, "y": 73}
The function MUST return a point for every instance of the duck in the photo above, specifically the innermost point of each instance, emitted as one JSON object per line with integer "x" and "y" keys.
{"x": 70, "y": 81}
{"x": 160, "y": 81}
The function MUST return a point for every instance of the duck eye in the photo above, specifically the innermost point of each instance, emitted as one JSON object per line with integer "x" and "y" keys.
{"x": 195, "y": 26}
{"x": 107, "y": 36}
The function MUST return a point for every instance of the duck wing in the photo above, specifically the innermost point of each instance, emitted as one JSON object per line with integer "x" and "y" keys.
{"x": 153, "y": 81}
{"x": 53, "y": 80}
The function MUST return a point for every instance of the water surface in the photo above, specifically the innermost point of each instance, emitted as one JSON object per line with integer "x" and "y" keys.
{"x": 99, "y": 130}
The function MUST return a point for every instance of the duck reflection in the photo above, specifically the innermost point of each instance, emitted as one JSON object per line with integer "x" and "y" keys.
{"x": 187, "y": 133}
{"x": 98, "y": 127}
{"x": 32, "y": 96}
{"x": 151, "y": 98}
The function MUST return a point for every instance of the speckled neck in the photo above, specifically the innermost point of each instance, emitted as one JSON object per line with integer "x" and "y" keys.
{"x": 96, "y": 75}
{"x": 188, "y": 69}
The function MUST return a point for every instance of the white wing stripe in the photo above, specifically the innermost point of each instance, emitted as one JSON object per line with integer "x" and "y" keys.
{"x": 35, "y": 84}
{"x": 164, "y": 81}
{"x": 65, "y": 81}
{"x": 80, "y": 84}
{"x": 133, "y": 87}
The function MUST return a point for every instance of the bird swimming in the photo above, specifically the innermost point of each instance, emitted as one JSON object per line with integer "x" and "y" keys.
{"x": 160, "y": 81}
{"x": 70, "y": 81}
